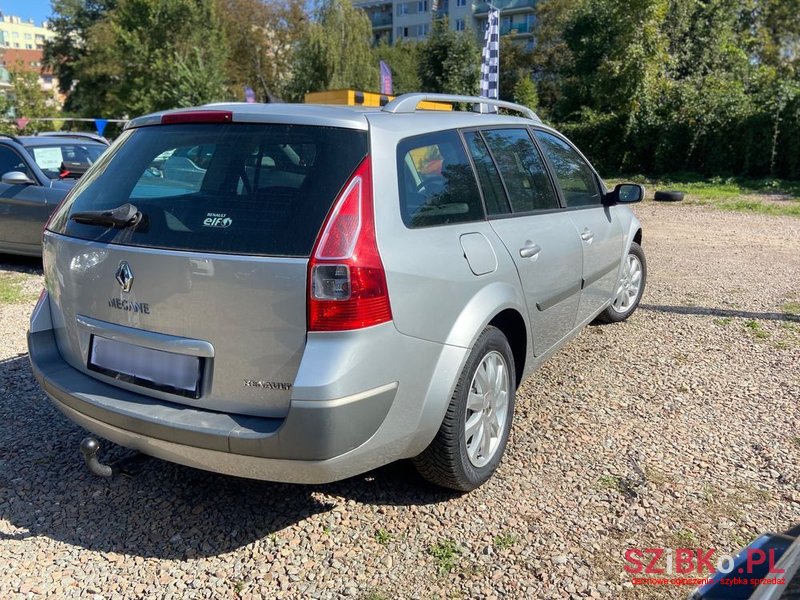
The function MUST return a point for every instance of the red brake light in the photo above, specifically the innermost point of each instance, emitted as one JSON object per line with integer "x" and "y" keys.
{"x": 346, "y": 280}
{"x": 198, "y": 116}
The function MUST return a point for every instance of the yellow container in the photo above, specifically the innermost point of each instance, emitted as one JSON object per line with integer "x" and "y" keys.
{"x": 356, "y": 98}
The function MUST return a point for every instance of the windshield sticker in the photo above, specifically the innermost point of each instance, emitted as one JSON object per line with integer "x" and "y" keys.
{"x": 217, "y": 220}
{"x": 48, "y": 158}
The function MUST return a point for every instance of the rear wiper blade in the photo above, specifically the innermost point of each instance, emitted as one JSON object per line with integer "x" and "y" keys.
{"x": 126, "y": 215}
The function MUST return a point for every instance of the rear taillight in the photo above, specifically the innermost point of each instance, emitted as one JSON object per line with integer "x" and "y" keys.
{"x": 346, "y": 280}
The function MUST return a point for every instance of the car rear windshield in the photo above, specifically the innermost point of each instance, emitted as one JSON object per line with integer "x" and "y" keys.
{"x": 54, "y": 159}
{"x": 261, "y": 189}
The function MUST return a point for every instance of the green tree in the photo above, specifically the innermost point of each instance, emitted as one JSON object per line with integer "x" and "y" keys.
{"x": 525, "y": 93}
{"x": 335, "y": 51}
{"x": 262, "y": 36}
{"x": 30, "y": 101}
{"x": 402, "y": 58}
{"x": 449, "y": 61}
{"x": 516, "y": 64}
{"x": 771, "y": 29}
{"x": 71, "y": 21}
{"x": 551, "y": 57}
{"x": 149, "y": 55}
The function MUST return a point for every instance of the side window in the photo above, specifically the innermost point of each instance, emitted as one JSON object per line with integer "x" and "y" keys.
{"x": 493, "y": 193}
{"x": 437, "y": 185}
{"x": 522, "y": 170}
{"x": 11, "y": 161}
{"x": 578, "y": 183}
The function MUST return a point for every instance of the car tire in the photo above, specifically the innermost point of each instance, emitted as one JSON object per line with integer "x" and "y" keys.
{"x": 629, "y": 289}
{"x": 668, "y": 196}
{"x": 460, "y": 457}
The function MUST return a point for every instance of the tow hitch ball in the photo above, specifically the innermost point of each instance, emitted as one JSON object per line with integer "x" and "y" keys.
{"x": 128, "y": 465}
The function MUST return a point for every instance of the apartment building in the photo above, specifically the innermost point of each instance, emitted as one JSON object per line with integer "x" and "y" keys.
{"x": 22, "y": 49}
{"x": 394, "y": 20}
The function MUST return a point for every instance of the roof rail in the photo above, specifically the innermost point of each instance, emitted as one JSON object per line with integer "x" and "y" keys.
{"x": 10, "y": 136}
{"x": 407, "y": 103}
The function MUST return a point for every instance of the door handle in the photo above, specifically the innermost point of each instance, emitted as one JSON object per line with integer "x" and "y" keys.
{"x": 529, "y": 250}
{"x": 587, "y": 235}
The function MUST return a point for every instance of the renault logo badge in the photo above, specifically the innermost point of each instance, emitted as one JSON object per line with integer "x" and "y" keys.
{"x": 124, "y": 276}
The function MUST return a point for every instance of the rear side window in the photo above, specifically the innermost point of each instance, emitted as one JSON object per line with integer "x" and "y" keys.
{"x": 260, "y": 189}
{"x": 522, "y": 170}
{"x": 437, "y": 185}
{"x": 493, "y": 193}
{"x": 575, "y": 176}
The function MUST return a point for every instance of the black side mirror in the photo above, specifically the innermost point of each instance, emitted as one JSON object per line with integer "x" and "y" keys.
{"x": 625, "y": 193}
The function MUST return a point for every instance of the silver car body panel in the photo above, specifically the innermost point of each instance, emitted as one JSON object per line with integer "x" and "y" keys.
{"x": 249, "y": 310}
{"x": 354, "y": 400}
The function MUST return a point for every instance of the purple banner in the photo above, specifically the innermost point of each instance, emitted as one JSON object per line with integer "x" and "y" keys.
{"x": 386, "y": 79}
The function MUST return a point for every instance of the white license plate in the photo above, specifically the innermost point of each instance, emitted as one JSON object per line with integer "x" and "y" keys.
{"x": 166, "y": 371}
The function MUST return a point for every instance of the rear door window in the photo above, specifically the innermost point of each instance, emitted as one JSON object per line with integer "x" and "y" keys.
{"x": 576, "y": 178}
{"x": 260, "y": 189}
{"x": 493, "y": 193}
{"x": 437, "y": 184}
{"x": 522, "y": 169}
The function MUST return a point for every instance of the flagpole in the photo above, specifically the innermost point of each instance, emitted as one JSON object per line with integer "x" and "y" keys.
{"x": 490, "y": 65}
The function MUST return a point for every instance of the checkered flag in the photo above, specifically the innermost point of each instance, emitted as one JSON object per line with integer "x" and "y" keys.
{"x": 490, "y": 63}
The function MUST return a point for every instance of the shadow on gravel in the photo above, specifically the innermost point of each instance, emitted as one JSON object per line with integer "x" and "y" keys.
{"x": 720, "y": 312}
{"x": 21, "y": 264}
{"x": 167, "y": 511}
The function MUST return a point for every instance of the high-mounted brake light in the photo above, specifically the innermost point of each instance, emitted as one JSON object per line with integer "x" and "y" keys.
{"x": 198, "y": 116}
{"x": 346, "y": 280}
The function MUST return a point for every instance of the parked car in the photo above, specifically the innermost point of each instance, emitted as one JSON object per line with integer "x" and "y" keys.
{"x": 375, "y": 285}
{"x": 37, "y": 172}
{"x": 767, "y": 569}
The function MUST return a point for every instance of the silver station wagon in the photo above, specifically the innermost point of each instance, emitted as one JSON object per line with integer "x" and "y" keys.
{"x": 303, "y": 293}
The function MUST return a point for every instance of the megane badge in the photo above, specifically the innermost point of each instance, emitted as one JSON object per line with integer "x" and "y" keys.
{"x": 124, "y": 276}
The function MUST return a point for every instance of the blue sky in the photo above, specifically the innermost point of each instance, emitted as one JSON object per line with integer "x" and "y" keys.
{"x": 39, "y": 10}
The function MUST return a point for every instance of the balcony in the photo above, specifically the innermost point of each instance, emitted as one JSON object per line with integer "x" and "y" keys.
{"x": 515, "y": 28}
{"x": 481, "y": 8}
{"x": 381, "y": 19}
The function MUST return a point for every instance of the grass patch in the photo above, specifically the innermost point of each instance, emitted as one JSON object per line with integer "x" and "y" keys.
{"x": 375, "y": 595}
{"x": 796, "y": 441}
{"x": 741, "y": 194}
{"x": 792, "y": 308}
{"x": 446, "y": 553}
{"x": 683, "y": 538}
{"x": 657, "y": 477}
{"x": 11, "y": 290}
{"x": 756, "y": 328}
{"x": 623, "y": 485}
{"x": 723, "y": 321}
{"x": 383, "y": 537}
{"x": 505, "y": 540}
{"x": 609, "y": 482}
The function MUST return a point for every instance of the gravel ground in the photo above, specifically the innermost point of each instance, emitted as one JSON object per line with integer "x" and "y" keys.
{"x": 678, "y": 428}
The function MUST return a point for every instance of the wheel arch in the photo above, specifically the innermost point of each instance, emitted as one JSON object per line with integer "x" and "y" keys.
{"x": 510, "y": 322}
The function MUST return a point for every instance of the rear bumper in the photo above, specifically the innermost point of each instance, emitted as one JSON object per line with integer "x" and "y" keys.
{"x": 312, "y": 431}
{"x": 327, "y": 435}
